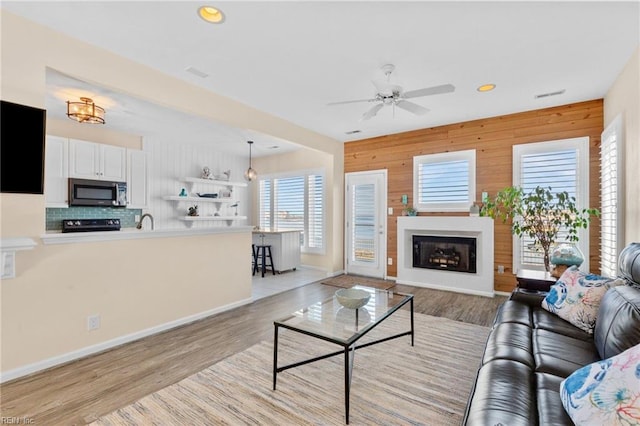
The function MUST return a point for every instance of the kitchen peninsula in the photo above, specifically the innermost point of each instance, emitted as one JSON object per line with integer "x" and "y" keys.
{"x": 136, "y": 282}
{"x": 285, "y": 247}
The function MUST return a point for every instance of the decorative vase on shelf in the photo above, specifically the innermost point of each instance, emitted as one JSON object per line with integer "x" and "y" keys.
{"x": 409, "y": 211}
{"x": 566, "y": 253}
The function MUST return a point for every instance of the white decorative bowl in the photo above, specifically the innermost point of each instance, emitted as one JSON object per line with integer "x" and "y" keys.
{"x": 352, "y": 298}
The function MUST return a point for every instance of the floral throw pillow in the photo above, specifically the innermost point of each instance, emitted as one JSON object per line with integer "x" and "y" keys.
{"x": 576, "y": 297}
{"x": 606, "y": 392}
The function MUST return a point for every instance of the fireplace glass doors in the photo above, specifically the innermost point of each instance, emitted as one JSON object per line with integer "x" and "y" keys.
{"x": 444, "y": 253}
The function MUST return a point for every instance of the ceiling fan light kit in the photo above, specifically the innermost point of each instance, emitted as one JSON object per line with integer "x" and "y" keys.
{"x": 393, "y": 94}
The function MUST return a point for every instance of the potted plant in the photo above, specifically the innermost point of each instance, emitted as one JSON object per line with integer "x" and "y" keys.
{"x": 540, "y": 215}
{"x": 410, "y": 211}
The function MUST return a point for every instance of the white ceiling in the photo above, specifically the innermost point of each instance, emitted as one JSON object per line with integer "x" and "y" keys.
{"x": 291, "y": 59}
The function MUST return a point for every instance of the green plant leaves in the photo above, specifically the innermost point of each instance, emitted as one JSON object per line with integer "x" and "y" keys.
{"x": 539, "y": 214}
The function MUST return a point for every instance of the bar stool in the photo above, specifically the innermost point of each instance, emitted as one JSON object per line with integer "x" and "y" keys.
{"x": 254, "y": 259}
{"x": 263, "y": 253}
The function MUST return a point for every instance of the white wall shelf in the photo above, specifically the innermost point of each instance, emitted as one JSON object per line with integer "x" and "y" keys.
{"x": 228, "y": 184}
{"x": 229, "y": 219}
{"x": 8, "y": 248}
{"x": 226, "y": 201}
{"x": 203, "y": 218}
{"x": 199, "y": 199}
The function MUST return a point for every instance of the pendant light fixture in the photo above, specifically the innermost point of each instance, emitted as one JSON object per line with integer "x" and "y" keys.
{"x": 250, "y": 174}
{"x": 85, "y": 111}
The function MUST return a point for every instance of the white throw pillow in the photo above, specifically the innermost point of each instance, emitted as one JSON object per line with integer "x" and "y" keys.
{"x": 576, "y": 297}
{"x": 605, "y": 392}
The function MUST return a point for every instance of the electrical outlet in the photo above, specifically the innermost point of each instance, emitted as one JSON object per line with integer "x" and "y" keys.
{"x": 93, "y": 322}
{"x": 390, "y": 261}
{"x": 501, "y": 269}
{"x": 136, "y": 218}
{"x": 390, "y": 211}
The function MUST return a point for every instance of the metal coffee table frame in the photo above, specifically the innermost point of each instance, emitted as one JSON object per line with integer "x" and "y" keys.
{"x": 348, "y": 344}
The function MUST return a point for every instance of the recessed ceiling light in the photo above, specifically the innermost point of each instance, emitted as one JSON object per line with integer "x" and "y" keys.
{"x": 211, "y": 14}
{"x": 486, "y": 87}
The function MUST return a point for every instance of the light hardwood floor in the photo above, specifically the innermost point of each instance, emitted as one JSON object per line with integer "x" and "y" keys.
{"x": 79, "y": 392}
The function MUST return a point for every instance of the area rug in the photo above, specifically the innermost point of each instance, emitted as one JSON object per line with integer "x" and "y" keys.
{"x": 348, "y": 281}
{"x": 393, "y": 383}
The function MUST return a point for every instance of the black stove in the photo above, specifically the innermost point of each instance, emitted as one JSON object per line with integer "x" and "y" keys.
{"x": 89, "y": 225}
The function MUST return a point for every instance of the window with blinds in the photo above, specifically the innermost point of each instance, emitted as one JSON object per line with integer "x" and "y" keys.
{"x": 265, "y": 207}
{"x": 560, "y": 165}
{"x": 444, "y": 182}
{"x": 610, "y": 198}
{"x": 294, "y": 203}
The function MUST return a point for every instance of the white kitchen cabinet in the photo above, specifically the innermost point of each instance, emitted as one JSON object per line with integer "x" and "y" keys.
{"x": 137, "y": 179}
{"x": 285, "y": 247}
{"x": 56, "y": 172}
{"x": 90, "y": 160}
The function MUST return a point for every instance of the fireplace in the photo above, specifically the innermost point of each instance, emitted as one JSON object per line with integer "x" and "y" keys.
{"x": 445, "y": 253}
{"x": 479, "y": 228}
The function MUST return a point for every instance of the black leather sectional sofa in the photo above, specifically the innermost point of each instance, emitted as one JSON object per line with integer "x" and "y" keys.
{"x": 530, "y": 351}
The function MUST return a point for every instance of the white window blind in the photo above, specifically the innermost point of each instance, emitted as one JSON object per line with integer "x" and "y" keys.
{"x": 561, "y": 165}
{"x": 265, "y": 204}
{"x": 444, "y": 182}
{"x": 610, "y": 199}
{"x": 294, "y": 203}
{"x": 555, "y": 169}
{"x": 288, "y": 208}
{"x": 363, "y": 223}
{"x": 315, "y": 222}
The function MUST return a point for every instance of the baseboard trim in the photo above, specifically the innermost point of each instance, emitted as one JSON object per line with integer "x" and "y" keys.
{"x": 109, "y": 344}
{"x": 335, "y": 273}
{"x": 447, "y": 288}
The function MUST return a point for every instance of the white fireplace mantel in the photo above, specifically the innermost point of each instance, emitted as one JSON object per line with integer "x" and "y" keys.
{"x": 481, "y": 228}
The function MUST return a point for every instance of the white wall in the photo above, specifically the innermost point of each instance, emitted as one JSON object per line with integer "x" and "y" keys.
{"x": 623, "y": 98}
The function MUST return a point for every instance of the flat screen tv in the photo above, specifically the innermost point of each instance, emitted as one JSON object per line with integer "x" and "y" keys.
{"x": 22, "y": 139}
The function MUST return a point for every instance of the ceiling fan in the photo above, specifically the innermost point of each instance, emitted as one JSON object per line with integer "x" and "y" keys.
{"x": 392, "y": 94}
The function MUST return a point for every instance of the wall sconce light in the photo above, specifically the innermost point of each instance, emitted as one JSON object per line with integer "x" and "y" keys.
{"x": 85, "y": 111}
{"x": 250, "y": 174}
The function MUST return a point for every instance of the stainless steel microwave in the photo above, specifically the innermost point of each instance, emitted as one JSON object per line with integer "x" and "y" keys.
{"x": 102, "y": 193}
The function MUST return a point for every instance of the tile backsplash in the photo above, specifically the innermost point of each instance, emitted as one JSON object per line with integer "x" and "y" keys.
{"x": 54, "y": 216}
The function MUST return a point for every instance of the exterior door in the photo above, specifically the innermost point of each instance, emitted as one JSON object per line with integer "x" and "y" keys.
{"x": 365, "y": 223}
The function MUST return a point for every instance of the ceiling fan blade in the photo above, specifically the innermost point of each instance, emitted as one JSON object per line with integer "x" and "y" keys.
{"x": 411, "y": 107}
{"x": 372, "y": 112}
{"x": 435, "y": 90}
{"x": 350, "y": 102}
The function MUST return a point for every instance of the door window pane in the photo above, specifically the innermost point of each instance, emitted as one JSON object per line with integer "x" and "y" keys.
{"x": 363, "y": 220}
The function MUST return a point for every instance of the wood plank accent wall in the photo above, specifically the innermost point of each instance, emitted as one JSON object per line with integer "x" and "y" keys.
{"x": 492, "y": 138}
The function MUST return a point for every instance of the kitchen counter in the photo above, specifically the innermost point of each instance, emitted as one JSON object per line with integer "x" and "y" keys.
{"x": 134, "y": 234}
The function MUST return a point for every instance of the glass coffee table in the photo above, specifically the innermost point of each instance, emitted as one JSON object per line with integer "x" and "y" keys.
{"x": 329, "y": 321}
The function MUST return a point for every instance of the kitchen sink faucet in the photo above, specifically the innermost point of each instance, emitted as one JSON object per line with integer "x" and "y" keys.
{"x": 139, "y": 224}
